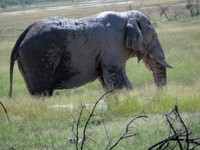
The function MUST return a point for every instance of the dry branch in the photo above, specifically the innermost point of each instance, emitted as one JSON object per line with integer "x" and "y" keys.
{"x": 90, "y": 116}
{"x": 163, "y": 10}
{"x": 5, "y": 110}
{"x": 181, "y": 136}
{"x": 78, "y": 123}
{"x": 80, "y": 144}
{"x": 125, "y": 134}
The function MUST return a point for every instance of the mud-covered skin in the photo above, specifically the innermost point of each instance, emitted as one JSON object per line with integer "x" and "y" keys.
{"x": 59, "y": 53}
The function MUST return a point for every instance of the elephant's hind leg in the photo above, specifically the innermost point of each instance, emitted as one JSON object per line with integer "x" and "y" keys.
{"x": 39, "y": 80}
{"x": 36, "y": 88}
{"x": 39, "y": 86}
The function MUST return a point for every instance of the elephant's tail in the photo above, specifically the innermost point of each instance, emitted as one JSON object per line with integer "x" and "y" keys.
{"x": 13, "y": 56}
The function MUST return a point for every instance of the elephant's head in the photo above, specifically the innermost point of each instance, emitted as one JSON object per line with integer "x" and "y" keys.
{"x": 142, "y": 38}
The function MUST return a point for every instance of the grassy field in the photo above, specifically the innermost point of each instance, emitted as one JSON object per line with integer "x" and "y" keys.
{"x": 38, "y": 124}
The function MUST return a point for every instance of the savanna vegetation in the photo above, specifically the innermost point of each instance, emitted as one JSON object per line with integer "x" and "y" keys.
{"x": 8, "y": 3}
{"x": 46, "y": 123}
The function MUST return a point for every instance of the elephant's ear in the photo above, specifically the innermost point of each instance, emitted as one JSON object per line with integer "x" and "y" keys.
{"x": 134, "y": 38}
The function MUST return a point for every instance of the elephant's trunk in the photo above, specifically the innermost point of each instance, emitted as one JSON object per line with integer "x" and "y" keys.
{"x": 155, "y": 62}
{"x": 158, "y": 70}
{"x": 159, "y": 74}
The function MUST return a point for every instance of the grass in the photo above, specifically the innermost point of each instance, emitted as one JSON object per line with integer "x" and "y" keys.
{"x": 36, "y": 125}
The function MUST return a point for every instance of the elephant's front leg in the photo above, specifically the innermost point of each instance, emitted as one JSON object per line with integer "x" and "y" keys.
{"x": 115, "y": 78}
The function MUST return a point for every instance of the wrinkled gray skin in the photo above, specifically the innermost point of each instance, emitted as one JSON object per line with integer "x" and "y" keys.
{"x": 59, "y": 53}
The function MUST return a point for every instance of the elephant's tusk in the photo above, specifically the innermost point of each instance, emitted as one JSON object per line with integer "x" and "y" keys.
{"x": 164, "y": 63}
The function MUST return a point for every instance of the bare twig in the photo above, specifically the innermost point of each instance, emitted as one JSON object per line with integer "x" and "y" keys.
{"x": 78, "y": 123}
{"x": 185, "y": 127}
{"x": 5, "y": 110}
{"x": 94, "y": 141}
{"x": 107, "y": 135}
{"x": 90, "y": 116}
{"x": 175, "y": 133}
{"x": 124, "y": 135}
{"x": 73, "y": 126}
{"x": 163, "y": 10}
{"x": 75, "y": 129}
{"x": 181, "y": 135}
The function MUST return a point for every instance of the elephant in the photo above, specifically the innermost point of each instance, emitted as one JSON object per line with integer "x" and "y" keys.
{"x": 60, "y": 53}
